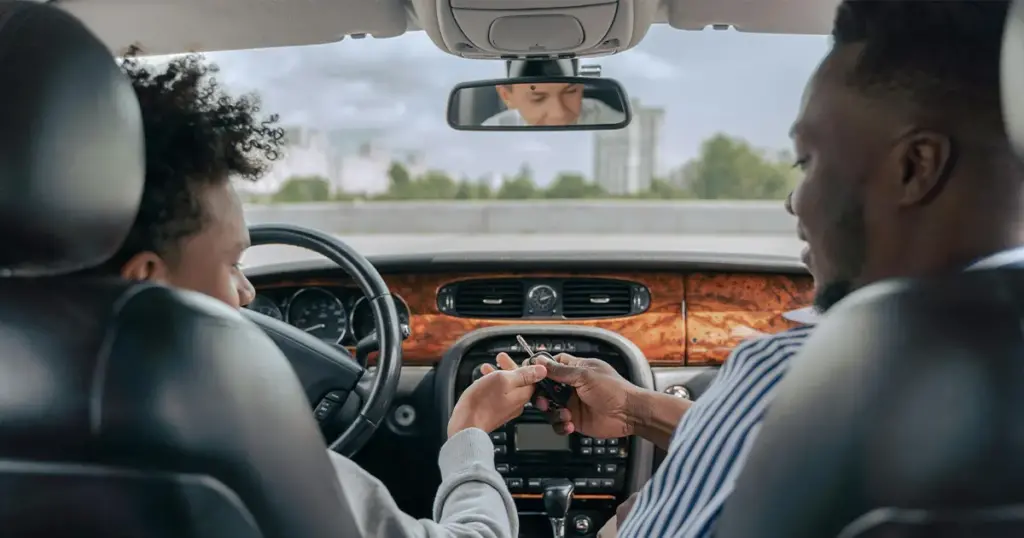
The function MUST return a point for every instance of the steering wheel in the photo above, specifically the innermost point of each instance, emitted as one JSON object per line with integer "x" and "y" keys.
{"x": 347, "y": 396}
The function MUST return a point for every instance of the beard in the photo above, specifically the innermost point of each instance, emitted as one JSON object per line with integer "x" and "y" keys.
{"x": 847, "y": 251}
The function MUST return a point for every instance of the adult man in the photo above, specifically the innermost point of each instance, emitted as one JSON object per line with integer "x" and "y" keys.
{"x": 551, "y": 104}
{"x": 908, "y": 172}
{"x": 190, "y": 233}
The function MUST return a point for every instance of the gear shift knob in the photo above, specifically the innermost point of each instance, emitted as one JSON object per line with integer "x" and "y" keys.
{"x": 557, "y": 498}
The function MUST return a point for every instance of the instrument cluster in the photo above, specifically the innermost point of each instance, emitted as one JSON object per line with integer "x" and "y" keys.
{"x": 337, "y": 315}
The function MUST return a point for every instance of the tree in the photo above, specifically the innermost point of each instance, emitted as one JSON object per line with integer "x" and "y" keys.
{"x": 572, "y": 186}
{"x": 730, "y": 168}
{"x": 517, "y": 188}
{"x": 434, "y": 185}
{"x": 303, "y": 189}
{"x": 398, "y": 176}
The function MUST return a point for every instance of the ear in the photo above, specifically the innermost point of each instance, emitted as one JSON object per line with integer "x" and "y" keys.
{"x": 504, "y": 92}
{"x": 145, "y": 266}
{"x": 927, "y": 161}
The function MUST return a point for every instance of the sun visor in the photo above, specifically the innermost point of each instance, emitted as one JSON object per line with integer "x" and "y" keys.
{"x": 1013, "y": 76}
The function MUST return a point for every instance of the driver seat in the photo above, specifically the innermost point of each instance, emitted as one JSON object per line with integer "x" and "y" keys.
{"x": 126, "y": 409}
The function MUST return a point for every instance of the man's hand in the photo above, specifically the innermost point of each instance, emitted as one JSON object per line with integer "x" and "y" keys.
{"x": 497, "y": 397}
{"x": 604, "y": 405}
{"x": 600, "y": 401}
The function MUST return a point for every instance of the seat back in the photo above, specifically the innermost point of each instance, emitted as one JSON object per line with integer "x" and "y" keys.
{"x": 126, "y": 410}
{"x": 900, "y": 417}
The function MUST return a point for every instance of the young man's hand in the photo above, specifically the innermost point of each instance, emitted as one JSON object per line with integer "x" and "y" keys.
{"x": 497, "y": 397}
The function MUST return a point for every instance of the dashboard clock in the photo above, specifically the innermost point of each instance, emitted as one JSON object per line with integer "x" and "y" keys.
{"x": 541, "y": 299}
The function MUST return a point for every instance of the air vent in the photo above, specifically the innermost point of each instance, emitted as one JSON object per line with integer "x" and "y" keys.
{"x": 489, "y": 298}
{"x": 593, "y": 298}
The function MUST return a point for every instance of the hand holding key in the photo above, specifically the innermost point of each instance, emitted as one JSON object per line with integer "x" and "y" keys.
{"x": 600, "y": 402}
{"x": 497, "y": 397}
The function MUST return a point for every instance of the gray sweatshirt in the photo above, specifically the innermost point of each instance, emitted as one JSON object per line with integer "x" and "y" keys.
{"x": 472, "y": 501}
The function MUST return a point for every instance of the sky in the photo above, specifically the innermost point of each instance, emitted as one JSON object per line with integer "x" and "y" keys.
{"x": 745, "y": 85}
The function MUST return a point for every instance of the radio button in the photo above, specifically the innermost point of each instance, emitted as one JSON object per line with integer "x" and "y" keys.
{"x": 502, "y": 468}
{"x": 498, "y": 437}
{"x": 599, "y": 450}
{"x": 585, "y": 450}
{"x": 514, "y": 482}
{"x": 533, "y": 483}
{"x": 594, "y": 482}
{"x": 500, "y": 449}
{"x": 580, "y": 482}
{"x": 613, "y": 442}
{"x": 599, "y": 442}
{"x": 610, "y": 467}
{"x": 586, "y": 441}
{"x": 607, "y": 483}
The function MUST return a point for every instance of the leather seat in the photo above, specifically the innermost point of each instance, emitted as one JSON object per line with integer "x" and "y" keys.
{"x": 126, "y": 410}
{"x": 903, "y": 415}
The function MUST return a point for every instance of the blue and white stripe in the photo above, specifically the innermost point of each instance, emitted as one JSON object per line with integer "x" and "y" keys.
{"x": 686, "y": 495}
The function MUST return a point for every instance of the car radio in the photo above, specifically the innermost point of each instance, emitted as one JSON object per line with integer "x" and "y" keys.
{"x": 528, "y": 451}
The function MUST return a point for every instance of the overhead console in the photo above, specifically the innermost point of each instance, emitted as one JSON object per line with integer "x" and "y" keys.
{"x": 490, "y": 29}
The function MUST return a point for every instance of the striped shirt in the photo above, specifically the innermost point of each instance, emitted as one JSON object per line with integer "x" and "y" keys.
{"x": 708, "y": 448}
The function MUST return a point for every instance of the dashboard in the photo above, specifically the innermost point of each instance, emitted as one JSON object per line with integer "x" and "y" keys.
{"x": 675, "y": 318}
{"x": 665, "y": 326}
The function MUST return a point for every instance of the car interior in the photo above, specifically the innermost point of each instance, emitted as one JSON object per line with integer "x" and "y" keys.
{"x": 221, "y": 430}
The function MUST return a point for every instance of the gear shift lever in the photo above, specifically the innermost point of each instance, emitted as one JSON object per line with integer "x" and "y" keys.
{"x": 557, "y": 497}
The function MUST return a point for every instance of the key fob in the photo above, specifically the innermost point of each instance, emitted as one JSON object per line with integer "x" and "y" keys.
{"x": 556, "y": 393}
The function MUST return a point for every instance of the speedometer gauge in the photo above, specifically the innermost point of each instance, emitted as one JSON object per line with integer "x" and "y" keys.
{"x": 264, "y": 305}
{"x": 362, "y": 322}
{"x": 318, "y": 312}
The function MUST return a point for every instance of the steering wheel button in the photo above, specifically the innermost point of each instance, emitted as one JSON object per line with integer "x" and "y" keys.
{"x": 334, "y": 396}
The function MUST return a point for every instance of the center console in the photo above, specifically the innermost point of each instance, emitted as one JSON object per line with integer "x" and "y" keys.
{"x": 540, "y": 465}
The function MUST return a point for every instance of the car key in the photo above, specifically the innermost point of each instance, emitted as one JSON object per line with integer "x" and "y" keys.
{"x": 556, "y": 393}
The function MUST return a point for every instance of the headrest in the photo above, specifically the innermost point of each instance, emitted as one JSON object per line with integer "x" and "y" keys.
{"x": 1013, "y": 75}
{"x": 72, "y": 159}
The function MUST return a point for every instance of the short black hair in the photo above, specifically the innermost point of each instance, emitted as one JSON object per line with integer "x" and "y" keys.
{"x": 196, "y": 136}
{"x": 940, "y": 56}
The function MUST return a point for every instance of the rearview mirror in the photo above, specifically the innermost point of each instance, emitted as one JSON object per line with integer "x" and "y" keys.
{"x": 539, "y": 104}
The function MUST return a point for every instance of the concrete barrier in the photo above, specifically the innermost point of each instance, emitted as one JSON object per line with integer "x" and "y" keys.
{"x": 535, "y": 216}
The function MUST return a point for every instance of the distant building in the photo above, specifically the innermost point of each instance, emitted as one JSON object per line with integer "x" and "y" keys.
{"x": 351, "y": 160}
{"x": 626, "y": 160}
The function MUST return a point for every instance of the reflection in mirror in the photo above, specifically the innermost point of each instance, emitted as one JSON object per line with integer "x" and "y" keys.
{"x": 539, "y": 103}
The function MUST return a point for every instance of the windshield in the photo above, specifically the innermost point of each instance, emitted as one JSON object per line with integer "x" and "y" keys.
{"x": 704, "y": 166}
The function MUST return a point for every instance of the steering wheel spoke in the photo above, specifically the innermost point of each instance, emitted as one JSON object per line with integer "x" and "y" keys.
{"x": 324, "y": 367}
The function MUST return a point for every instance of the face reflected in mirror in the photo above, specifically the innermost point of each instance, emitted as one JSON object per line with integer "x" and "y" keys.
{"x": 544, "y": 104}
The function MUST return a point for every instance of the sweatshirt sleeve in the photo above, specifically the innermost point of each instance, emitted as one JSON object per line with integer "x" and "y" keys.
{"x": 472, "y": 502}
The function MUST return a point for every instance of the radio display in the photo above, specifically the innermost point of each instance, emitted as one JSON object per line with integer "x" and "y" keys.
{"x": 539, "y": 438}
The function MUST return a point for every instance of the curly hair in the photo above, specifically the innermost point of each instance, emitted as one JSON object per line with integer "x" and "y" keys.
{"x": 941, "y": 57}
{"x": 196, "y": 136}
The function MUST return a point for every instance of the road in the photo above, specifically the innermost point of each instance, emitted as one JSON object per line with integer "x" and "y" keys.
{"x": 382, "y": 244}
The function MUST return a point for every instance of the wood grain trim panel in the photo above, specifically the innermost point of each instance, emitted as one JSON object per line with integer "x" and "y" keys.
{"x": 660, "y": 332}
{"x": 722, "y": 309}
